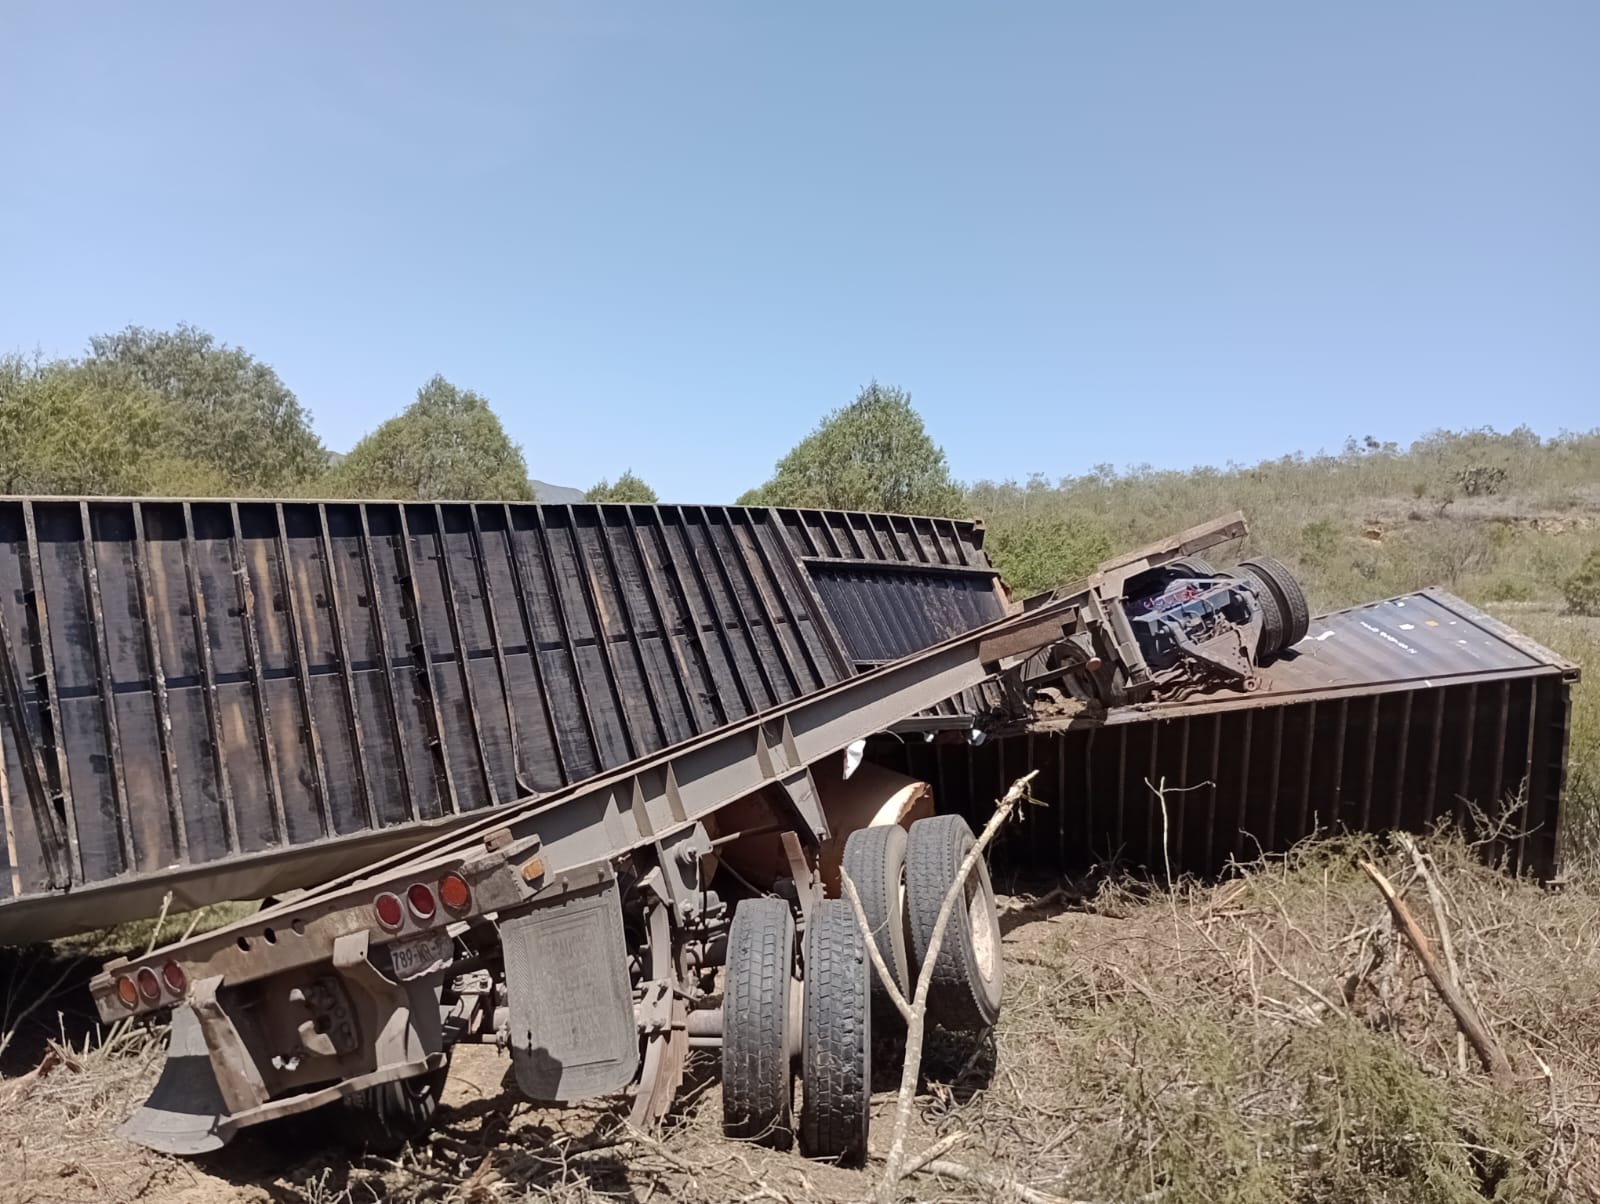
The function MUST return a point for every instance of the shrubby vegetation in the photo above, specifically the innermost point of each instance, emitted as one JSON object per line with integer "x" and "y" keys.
{"x": 227, "y": 411}
{"x": 78, "y": 428}
{"x": 177, "y": 413}
{"x": 1496, "y": 517}
{"x": 1583, "y": 587}
{"x": 626, "y": 488}
{"x": 446, "y": 444}
{"x": 872, "y": 454}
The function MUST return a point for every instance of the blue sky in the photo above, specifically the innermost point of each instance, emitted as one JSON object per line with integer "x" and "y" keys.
{"x": 671, "y": 236}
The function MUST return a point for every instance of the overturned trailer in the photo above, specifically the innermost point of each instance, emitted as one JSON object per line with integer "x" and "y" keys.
{"x": 1401, "y": 714}
{"x": 232, "y": 699}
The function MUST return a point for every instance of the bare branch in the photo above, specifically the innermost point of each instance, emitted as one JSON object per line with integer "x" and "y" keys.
{"x": 1466, "y": 1013}
{"x": 1436, "y": 897}
{"x": 916, "y": 1022}
{"x": 879, "y": 966}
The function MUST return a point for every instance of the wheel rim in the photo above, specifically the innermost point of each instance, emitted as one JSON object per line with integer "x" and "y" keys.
{"x": 981, "y": 925}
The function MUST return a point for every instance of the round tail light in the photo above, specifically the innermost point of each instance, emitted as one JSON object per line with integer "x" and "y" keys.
{"x": 390, "y": 913}
{"x": 127, "y": 993}
{"x": 421, "y": 900}
{"x": 177, "y": 981}
{"x": 454, "y": 892}
{"x": 149, "y": 985}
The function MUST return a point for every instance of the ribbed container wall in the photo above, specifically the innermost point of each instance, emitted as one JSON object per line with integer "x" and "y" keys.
{"x": 1192, "y": 792}
{"x": 200, "y": 682}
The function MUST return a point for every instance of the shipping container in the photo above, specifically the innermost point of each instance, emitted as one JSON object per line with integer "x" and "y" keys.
{"x": 1395, "y": 714}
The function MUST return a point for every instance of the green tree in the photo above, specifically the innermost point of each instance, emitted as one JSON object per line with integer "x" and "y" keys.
{"x": 232, "y": 413}
{"x": 626, "y": 488}
{"x": 872, "y": 454}
{"x": 446, "y": 444}
{"x": 77, "y": 428}
{"x": 1038, "y": 552}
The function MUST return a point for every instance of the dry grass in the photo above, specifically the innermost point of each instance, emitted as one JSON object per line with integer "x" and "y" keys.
{"x": 58, "y": 1122}
{"x": 139, "y": 935}
{"x": 1578, "y": 639}
{"x": 1261, "y": 1039}
{"x": 1363, "y": 523}
{"x": 1269, "y": 1039}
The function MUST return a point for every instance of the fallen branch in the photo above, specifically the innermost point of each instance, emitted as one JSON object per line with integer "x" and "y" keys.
{"x": 23, "y": 1085}
{"x": 934, "y": 1152}
{"x": 1006, "y": 1186}
{"x": 1038, "y": 903}
{"x": 1442, "y": 924}
{"x": 915, "y": 1009}
{"x": 1468, "y": 1020}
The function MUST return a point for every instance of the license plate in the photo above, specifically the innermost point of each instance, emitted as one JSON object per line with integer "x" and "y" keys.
{"x": 420, "y": 955}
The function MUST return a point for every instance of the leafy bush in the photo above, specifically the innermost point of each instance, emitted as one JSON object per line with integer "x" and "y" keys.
{"x": 1037, "y": 554}
{"x": 446, "y": 444}
{"x": 1583, "y": 587}
{"x": 1481, "y": 480}
{"x": 626, "y": 488}
{"x": 873, "y": 454}
{"x": 1319, "y": 541}
{"x": 1508, "y": 589}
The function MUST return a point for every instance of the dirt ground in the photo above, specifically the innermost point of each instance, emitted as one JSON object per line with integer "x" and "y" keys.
{"x": 1263, "y": 1038}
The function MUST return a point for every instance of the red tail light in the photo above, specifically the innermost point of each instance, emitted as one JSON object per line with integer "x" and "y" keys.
{"x": 127, "y": 993}
{"x": 177, "y": 981}
{"x": 390, "y": 913}
{"x": 421, "y": 900}
{"x": 149, "y": 984}
{"x": 454, "y": 892}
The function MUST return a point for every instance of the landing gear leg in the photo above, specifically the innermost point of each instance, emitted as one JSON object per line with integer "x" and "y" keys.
{"x": 667, "y": 1042}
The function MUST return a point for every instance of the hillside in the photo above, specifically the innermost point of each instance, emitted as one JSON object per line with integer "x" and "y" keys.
{"x": 1493, "y": 517}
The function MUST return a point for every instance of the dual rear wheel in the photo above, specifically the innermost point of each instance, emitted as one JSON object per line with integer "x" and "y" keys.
{"x": 902, "y": 879}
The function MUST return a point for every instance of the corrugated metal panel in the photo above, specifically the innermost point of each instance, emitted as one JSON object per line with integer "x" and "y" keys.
{"x": 210, "y": 683}
{"x": 1392, "y": 715}
{"x": 1425, "y": 638}
{"x": 884, "y": 612}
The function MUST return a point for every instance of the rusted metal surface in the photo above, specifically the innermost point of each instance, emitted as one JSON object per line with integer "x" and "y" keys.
{"x": 208, "y": 688}
{"x": 1395, "y": 714}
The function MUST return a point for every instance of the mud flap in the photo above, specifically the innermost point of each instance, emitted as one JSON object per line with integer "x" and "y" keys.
{"x": 185, "y": 1112}
{"x": 573, "y": 1034}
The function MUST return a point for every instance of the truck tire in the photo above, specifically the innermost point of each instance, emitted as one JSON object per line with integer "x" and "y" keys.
{"x": 1290, "y": 597}
{"x": 875, "y": 859}
{"x": 383, "y": 1119}
{"x": 1194, "y": 566}
{"x": 757, "y": 1072}
{"x": 836, "y": 1041}
{"x": 968, "y": 974}
{"x": 1270, "y": 642}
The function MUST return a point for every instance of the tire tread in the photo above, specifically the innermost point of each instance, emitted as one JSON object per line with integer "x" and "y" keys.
{"x": 875, "y": 859}
{"x": 836, "y": 1052}
{"x": 934, "y": 851}
{"x": 757, "y": 1079}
